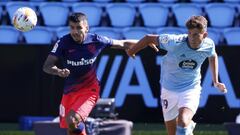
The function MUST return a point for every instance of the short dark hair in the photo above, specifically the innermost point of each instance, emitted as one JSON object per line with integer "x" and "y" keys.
{"x": 198, "y": 22}
{"x": 77, "y": 17}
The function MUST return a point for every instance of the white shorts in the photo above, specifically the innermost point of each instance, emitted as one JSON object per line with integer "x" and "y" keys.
{"x": 172, "y": 101}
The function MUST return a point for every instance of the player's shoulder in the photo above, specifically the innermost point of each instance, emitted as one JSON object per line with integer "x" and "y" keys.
{"x": 66, "y": 38}
{"x": 208, "y": 41}
{"x": 176, "y": 38}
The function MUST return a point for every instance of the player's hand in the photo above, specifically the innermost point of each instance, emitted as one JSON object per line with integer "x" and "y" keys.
{"x": 154, "y": 47}
{"x": 129, "y": 53}
{"x": 221, "y": 87}
{"x": 63, "y": 72}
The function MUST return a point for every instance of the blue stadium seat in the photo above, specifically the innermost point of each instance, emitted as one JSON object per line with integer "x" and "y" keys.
{"x": 92, "y": 10}
{"x": 135, "y": 1}
{"x": 135, "y": 32}
{"x": 11, "y": 35}
{"x": 39, "y": 35}
{"x": 71, "y": 0}
{"x": 154, "y": 14}
{"x": 106, "y": 31}
{"x": 102, "y": 1}
{"x": 1, "y": 10}
{"x": 170, "y": 30}
{"x": 38, "y": 0}
{"x": 232, "y": 1}
{"x": 168, "y": 1}
{"x": 183, "y": 12}
{"x": 61, "y": 31}
{"x": 121, "y": 14}
{"x": 215, "y": 35}
{"x": 232, "y": 35}
{"x": 11, "y": 7}
{"x": 54, "y": 14}
{"x": 220, "y": 14}
{"x": 200, "y": 1}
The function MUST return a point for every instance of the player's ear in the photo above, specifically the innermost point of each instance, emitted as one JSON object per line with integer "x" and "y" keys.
{"x": 205, "y": 34}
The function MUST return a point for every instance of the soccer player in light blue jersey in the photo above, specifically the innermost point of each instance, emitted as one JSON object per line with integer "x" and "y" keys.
{"x": 180, "y": 72}
{"x": 78, "y": 51}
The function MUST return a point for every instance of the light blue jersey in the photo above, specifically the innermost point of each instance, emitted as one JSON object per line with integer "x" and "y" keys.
{"x": 180, "y": 67}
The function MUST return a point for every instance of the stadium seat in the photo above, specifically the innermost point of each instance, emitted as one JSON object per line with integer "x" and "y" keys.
{"x": 232, "y": 1}
{"x": 200, "y": 1}
{"x": 39, "y": 35}
{"x": 167, "y": 1}
{"x": 61, "y": 31}
{"x": 106, "y": 31}
{"x": 38, "y": 0}
{"x": 1, "y": 10}
{"x": 54, "y": 14}
{"x": 71, "y": 0}
{"x": 220, "y": 14}
{"x": 135, "y": 32}
{"x": 11, "y": 35}
{"x": 93, "y": 12}
{"x": 154, "y": 14}
{"x": 183, "y": 12}
{"x": 170, "y": 30}
{"x": 215, "y": 35}
{"x": 121, "y": 14}
{"x": 232, "y": 35}
{"x": 103, "y": 1}
{"x": 135, "y": 1}
{"x": 11, "y": 7}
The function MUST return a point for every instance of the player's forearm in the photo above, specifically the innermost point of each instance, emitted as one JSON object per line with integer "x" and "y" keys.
{"x": 123, "y": 44}
{"x": 213, "y": 62}
{"x": 144, "y": 42}
{"x": 53, "y": 70}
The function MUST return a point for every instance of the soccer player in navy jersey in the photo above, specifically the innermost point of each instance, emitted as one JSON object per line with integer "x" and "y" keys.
{"x": 78, "y": 51}
{"x": 181, "y": 72}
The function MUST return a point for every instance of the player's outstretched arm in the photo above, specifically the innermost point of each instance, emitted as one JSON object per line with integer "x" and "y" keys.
{"x": 50, "y": 67}
{"x": 124, "y": 44}
{"x": 213, "y": 61}
{"x": 148, "y": 40}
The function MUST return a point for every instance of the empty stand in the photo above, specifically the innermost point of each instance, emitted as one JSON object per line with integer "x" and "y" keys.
{"x": 184, "y": 11}
{"x": 170, "y": 30}
{"x": 102, "y": 1}
{"x": 1, "y": 10}
{"x": 136, "y": 1}
{"x": 92, "y": 10}
{"x": 39, "y": 35}
{"x": 220, "y": 14}
{"x": 54, "y": 14}
{"x": 232, "y": 35}
{"x": 135, "y": 32}
{"x": 61, "y": 31}
{"x": 121, "y": 14}
{"x": 106, "y": 31}
{"x": 215, "y": 35}
{"x": 154, "y": 14}
{"x": 232, "y": 1}
{"x": 200, "y": 1}
{"x": 9, "y": 35}
{"x": 167, "y": 1}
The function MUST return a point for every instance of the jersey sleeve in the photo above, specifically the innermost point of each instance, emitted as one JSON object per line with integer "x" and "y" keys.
{"x": 212, "y": 51}
{"x": 57, "y": 49}
{"x": 210, "y": 46}
{"x": 166, "y": 42}
{"x": 105, "y": 41}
